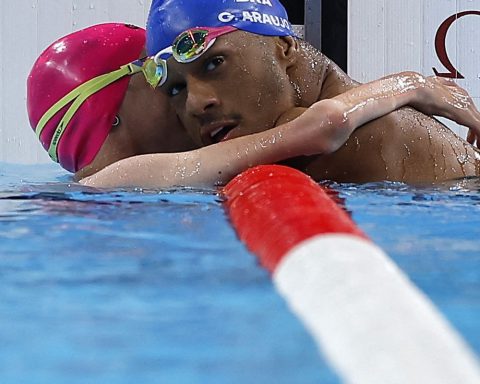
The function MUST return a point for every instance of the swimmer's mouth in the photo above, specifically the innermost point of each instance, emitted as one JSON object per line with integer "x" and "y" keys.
{"x": 218, "y": 132}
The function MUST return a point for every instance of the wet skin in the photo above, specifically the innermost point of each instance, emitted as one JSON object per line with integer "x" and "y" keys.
{"x": 219, "y": 91}
{"x": 247, "y": 83}
{"x": 404, "y": 145}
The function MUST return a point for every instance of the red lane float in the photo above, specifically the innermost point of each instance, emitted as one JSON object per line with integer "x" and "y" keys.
{"x": 274, "y": 208}
{"x": 371, "y": 323}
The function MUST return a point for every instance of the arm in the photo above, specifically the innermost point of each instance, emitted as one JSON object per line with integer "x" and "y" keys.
{"x": 429, "y": 95}
{"x": 322, "y": 128}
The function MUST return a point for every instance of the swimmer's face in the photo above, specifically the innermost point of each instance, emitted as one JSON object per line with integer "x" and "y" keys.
{"x": 148, "y": 124}
{"x": 238, "y": 87}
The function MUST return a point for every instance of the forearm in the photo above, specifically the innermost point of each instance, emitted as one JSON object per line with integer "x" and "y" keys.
{"x": 208, "y": 166}
{"x": 380, "y": 97}
{"x": 433, "y": 96}
{"x": 362, "y": 104}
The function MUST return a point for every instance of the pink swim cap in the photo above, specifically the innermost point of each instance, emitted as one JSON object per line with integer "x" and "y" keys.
{"x": 70, "y": 62}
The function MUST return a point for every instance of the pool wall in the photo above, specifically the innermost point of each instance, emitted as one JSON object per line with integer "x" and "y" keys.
{"x": 383, "y": 37}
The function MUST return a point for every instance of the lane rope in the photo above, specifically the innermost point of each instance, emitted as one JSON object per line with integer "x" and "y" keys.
{"x": 371, "y": 323}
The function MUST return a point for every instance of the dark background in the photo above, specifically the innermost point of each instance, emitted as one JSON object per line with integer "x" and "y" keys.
{"x": 334, "y": 26}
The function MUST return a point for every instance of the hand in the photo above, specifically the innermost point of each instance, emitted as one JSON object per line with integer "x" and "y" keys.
{"x": 443, "y": 97}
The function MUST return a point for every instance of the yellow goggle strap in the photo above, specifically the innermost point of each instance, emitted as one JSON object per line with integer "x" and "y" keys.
{"x": 78, "y": 96}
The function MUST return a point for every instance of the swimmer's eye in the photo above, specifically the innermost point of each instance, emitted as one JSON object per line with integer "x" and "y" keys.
{"x": 214, "y": 63}
{"x": 174, "y": 90}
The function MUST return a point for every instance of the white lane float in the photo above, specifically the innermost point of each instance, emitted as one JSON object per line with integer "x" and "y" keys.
{"x": 371, "y": 323}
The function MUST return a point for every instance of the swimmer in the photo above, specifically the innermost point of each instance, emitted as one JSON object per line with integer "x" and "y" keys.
{"x": 119, "y": 120}
{"x": 250, "y": 73}
{"x": 121, "y": 133}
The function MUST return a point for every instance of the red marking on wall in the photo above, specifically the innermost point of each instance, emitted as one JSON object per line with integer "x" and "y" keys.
{"x": 441, "y": 45}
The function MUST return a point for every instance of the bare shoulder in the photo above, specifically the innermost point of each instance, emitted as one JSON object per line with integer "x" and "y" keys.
{"x": 405, "y": 145}
{"x": 415, "y": 148}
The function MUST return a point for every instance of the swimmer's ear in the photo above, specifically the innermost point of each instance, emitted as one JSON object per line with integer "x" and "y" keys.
{"x": 287, "y": 49}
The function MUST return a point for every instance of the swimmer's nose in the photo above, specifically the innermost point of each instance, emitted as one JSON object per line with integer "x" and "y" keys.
{"x": 201, "y": 98}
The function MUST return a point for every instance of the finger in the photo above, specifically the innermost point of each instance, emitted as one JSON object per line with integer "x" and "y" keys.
{"x": 469, "y": 120}
{"x": 471, "y": 136}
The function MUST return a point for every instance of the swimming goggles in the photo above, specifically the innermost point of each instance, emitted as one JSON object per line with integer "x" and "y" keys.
{"x": 78, "y": 95}
{"x": 187, "y": 47}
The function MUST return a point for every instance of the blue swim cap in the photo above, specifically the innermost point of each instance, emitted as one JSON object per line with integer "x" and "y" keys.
{"x": 169, "y": 18}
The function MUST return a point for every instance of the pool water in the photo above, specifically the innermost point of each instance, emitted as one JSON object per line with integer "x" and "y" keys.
{"x": 433, "y": 234}
{"x": 145, "y": 286}
{"x": 136, "y": 286}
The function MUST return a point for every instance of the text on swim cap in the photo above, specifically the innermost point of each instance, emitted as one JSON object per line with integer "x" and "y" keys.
{"x": 262, "y": 2}
{"x": 255, "y": 17}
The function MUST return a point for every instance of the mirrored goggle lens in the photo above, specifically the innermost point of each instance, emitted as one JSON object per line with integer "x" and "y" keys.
{"x": 189, "y": 45}
{"x": 154, "y": 72}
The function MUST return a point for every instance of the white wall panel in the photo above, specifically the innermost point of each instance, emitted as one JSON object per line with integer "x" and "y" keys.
{"x": 18, "y": 42}
{"x": 436, "y": 12}
{"x": 366, "y": 31}
{"x": 27, "y": 27}
{"x": 468, "y": 37}
{"x": 3, "y": 53}
{"x": 409, "y": 33}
